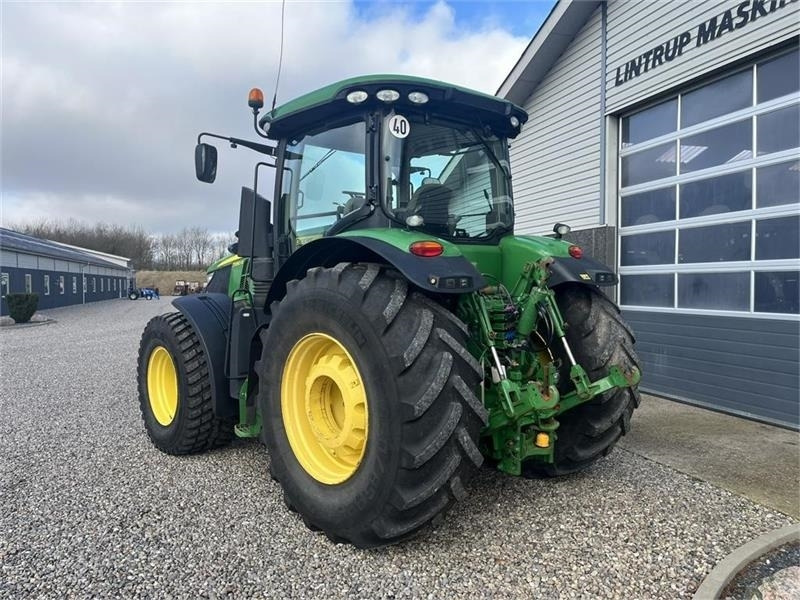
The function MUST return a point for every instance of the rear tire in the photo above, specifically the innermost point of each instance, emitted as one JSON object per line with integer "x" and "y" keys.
{"x": 423, "y": 417}
{"x": 178, "y": 413}
{"x": 599, "y": 338}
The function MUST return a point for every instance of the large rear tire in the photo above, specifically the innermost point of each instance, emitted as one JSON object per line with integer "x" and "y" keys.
{"x": 370, "y": 411}
{"x": 175, "y": 389}
{"x": 599, "y": 338}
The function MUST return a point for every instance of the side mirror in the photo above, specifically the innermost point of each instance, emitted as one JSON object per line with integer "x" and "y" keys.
{"x": 205, "y": 162}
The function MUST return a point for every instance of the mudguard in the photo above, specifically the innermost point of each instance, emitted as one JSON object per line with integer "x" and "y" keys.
{"x": 209, "y": 314}
{"x": 440, "y": 274}
{"x": 581, "y": 270}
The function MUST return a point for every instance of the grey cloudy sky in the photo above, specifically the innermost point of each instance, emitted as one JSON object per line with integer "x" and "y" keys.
{"x": 101, "y": 103}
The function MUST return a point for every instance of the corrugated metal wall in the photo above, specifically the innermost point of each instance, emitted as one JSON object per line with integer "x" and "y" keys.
{"x": 636, "y": 26}
{"x": 556, "y": 159}
{"x": 746, "y": 366}
{"x": 17, "y": 264}
{"x": 55, "y": 299}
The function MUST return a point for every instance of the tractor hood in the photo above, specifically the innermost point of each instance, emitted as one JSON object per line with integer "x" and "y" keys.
{"x": 445, "y": 99}
{"x": 505, "y": 261}
{"x": 223, "y": 262}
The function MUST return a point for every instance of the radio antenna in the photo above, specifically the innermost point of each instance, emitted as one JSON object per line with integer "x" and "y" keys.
{"x": 280, "y": 56}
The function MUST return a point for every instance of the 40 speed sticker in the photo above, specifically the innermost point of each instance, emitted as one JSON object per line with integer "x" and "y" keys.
{"x": 399, "y": 126}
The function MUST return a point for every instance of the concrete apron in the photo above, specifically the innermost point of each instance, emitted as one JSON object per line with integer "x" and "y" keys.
{"x": 760, "y": 462}
{"x": 722, "y": 574}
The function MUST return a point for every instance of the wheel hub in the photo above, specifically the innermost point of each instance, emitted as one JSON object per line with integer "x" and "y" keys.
{"x": 324, "y": 408}
{"x": 162, "y": 385}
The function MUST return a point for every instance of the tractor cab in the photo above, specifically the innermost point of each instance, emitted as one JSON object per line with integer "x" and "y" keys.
{"x": 397, "y": 152}
{"x": 383, "y": 152}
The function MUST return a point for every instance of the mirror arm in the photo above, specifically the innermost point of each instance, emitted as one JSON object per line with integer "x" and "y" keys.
{"x": 262, "y": 148}
{"x": 255, "y": 125}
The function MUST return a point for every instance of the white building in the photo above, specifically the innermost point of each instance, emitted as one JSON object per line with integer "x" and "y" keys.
{"x": 668, "y": 135}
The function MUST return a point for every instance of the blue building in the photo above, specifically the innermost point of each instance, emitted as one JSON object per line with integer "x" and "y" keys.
{"x": 60, "y": 274}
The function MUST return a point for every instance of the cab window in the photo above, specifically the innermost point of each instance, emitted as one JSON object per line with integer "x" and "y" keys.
{"x": 325, "y": 180}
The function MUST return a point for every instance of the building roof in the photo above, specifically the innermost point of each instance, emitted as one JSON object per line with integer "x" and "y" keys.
{"x": 20, "y": 242}
{"x": 120, "y": 261}
{"x": 558, "y": 30}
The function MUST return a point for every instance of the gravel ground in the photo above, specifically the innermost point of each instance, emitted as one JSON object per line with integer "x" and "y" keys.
{"x": 90, "y": 508}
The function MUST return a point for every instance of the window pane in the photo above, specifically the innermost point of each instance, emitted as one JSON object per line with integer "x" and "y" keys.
{"x": 730, "y": 241}
{"x": 647, "y": 290}
{"x": 778, "y": 184}
{"x": 648, "y": 165}
{"x": 779, "y": 130}
{"x": 720, "y": 291}
{"x": 718, "y": 98}
{"x": 648, "y": 249}
{"x": 726, "y": 144}
{"x": 717, "y": 195}
{"x": 331, "y": 179}
{"x": 779, "y": 76}
{"x": 648, "y": 207}
{"x": 777, "y": 292}
{"x": 650, "y": 123}
{"x": 778, "y": 238}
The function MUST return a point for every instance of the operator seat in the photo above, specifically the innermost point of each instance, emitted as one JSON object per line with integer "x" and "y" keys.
{"x": 432, "y": 203}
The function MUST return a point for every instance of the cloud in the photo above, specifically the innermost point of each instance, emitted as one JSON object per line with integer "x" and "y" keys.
{"x": 101, "y": 103}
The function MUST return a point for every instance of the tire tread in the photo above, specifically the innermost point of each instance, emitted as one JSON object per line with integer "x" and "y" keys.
{"x": 436, "y": 378}
{"x": 201, "y": 430}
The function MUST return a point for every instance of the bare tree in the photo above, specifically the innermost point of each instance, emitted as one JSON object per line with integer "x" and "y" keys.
{"x": 190, "y": 248}
{"x": 201, "y": 245}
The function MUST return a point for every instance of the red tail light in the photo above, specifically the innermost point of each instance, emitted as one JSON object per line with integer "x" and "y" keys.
{"x": 575, "y": 251}
{"x": 427, "y": 248}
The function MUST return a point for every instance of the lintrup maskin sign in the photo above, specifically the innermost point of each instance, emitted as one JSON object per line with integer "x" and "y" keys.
{"x": 733, "y": 19}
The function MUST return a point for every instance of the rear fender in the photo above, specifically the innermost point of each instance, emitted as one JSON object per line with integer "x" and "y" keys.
{"x": 439, "y": 275}
{"x": 580, "y": 270}
{"x": 209, "y": 315}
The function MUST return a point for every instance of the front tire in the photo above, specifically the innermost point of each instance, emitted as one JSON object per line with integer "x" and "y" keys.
{"x": 599, "y": 338}
{"x": 357, "y": 336}
{"x": 175, "y": 389}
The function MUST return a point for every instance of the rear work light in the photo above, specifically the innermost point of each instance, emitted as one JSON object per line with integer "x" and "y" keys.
{"x": 418, "y": 97}
{"x": 426, "y": 249}
{"x": 387, "y": 95}
{"x": 357, "y": 96}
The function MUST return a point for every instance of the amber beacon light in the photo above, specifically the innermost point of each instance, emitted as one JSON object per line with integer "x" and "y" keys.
{"x": 255, "y": 99}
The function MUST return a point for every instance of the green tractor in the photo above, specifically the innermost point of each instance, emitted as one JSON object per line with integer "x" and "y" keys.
{"x": 379, "y": 326}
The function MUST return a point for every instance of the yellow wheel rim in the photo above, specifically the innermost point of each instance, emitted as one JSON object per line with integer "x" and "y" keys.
{"x": 324, "y": 408}
{"x": 162, "y": 385}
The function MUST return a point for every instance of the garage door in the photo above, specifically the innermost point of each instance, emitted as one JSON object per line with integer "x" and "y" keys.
{"x": 709, "y": 249}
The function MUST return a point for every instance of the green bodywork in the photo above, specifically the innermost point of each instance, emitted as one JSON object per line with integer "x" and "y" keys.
{"x": 504, "y": 319}
{"x": 516, "y": 329}
{"x": 402, "y": 239}
{"x": 324, "y": 96}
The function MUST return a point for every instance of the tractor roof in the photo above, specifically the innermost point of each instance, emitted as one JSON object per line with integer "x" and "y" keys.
{"x": 444, "y": 99}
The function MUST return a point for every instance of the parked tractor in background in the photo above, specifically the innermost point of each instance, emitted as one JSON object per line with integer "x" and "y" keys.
{"x": 147, "y": 293}
{"x": 380, "y": 327}
{"x": 180, "y": 289}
